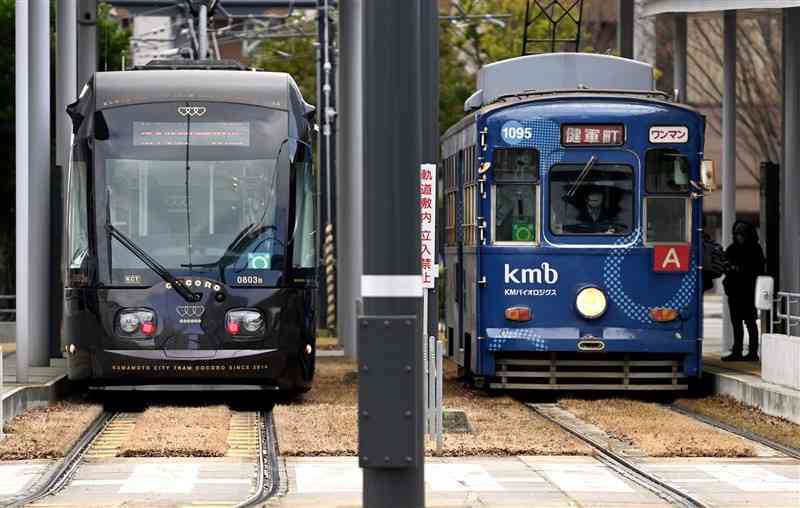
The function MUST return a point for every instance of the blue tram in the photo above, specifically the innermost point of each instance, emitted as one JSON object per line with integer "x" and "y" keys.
{"x": 573, "y": 211}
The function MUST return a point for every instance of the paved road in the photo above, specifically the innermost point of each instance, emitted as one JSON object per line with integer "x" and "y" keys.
{"x": 555, "y": 481}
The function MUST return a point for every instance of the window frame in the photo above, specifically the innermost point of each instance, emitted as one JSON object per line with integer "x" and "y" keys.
{"x": 688, "y": 214}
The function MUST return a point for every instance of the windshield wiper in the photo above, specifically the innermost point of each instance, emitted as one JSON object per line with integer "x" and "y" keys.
{"x": 581, "y": 176}
{"x": 148, "y": 260}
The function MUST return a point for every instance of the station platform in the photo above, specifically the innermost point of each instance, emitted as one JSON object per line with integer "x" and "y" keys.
{"x": 46, "y": 384}
{"x": 741, "y": 380}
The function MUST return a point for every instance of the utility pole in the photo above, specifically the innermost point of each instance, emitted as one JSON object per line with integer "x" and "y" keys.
{"x": 202, "y": 32}
{"x": 87, "y": 40}
{"x": 391, "y": 404}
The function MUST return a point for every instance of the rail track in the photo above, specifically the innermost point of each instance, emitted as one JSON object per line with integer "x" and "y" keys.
{"x": 267, "y": 462}
{"x": 786, "y": 450}
{"x": 625, "y": 467}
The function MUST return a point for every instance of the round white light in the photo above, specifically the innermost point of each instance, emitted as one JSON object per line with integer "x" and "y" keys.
{"x": 252, "y": 322}
{"x": 129, "y": 322}
{"x": 591, "y": 303}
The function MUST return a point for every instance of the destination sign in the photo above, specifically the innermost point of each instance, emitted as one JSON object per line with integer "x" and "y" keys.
{"x": 200, "y": 134}
{"x": 593, "y": 135}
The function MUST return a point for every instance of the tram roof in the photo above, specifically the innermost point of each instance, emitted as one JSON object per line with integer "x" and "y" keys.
{"x": 267, "y": 89}
{"x": 647, "y": 96}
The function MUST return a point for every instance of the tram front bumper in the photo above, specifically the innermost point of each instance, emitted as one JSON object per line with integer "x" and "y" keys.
{"x": 265, "y": 367}
{"x": 653, "y": 343}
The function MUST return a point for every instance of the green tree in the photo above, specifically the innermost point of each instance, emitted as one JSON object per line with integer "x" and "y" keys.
{"x": 467, "y": 45}
{"x": 113, "y": 40}
{"x": 293, "y": 55}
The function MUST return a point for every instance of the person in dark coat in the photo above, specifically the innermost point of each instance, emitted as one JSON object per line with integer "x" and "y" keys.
{"x": 745, "y": 263}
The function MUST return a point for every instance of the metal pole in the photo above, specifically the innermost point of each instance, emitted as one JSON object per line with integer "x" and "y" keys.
{"x": 21, "y": 81}
{"x": 87, "y": 40}
{"x": 439, "y": 397}
{"x": 625, "y": 28}
{"x": 390, "y": 349}
{"x": 728, "y": 154}
{"x": 679, "y": 52}
{"x": 791, "y": 142}
{"x": 349, "y": 205}
{"x": 202, "y": 31}
{"x": 67, "y": 80}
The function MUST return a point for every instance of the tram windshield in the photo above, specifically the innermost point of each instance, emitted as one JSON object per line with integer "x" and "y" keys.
{"x": 591, "y": 199}
{"x": 195, "y": 186}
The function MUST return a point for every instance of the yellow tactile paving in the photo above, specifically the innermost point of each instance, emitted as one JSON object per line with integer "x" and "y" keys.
{"x": 242, "y": 435}
{"x": 110, "y": 440}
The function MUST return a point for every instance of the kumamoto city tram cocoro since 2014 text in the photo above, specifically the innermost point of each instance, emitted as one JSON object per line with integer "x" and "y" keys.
{"x": 573, "y": 211}
{"x": 190, "y": 231}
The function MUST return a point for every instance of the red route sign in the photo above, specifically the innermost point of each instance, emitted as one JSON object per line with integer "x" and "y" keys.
{"x": 671, "y": 258}
{"x": 592, "y": 135}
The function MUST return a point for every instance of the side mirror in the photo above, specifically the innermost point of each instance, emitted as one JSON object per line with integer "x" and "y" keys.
{"x": 765, "y": 287}
{"x": 708, "y": 174}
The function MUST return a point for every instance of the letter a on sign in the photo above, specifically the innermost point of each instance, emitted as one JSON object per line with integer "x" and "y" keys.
{"x": 671, "y": 258}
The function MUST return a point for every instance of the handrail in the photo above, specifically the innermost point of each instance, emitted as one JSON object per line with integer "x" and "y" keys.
{"x": 784, "y": 302}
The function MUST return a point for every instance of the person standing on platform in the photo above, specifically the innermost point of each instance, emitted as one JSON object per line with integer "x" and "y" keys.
{"x": 745, "y": 263}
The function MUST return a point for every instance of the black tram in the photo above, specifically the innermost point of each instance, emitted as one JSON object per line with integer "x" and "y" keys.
{"x": 190, "y": 256}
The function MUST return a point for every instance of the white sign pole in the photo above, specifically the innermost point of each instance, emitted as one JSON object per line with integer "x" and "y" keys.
{"x": 427, "y": 217}
{"x": 2, "y": 435}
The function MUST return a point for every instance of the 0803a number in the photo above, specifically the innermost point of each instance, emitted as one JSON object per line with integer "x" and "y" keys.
{"x": 517, "y": 132}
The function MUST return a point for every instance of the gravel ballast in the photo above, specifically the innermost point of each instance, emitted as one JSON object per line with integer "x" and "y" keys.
{"x": 179, "y": 432}
{"x": 734, "y": 413}
{"x": 656, "y": 430}
{"x": 324, "y": 421}
{"x": 47, "y": 432}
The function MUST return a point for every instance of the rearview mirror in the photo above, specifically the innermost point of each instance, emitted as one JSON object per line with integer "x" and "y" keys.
{"x": 708, "y": 174}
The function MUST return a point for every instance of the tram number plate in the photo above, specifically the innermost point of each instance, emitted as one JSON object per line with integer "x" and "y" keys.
{"x": 669, "y": 134}
{"x": 249, "y": 280}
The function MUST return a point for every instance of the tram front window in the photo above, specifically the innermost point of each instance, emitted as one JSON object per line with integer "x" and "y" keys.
{"x": 516, "y": 177}
{"x": 197, "y": 194}
{"x": 591, "y": 199}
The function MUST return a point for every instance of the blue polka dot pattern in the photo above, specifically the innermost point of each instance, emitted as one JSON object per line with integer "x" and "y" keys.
{"x": 498, "y": 337}
{"x": 614, "y": 284}
{"x": 547, "y": 139}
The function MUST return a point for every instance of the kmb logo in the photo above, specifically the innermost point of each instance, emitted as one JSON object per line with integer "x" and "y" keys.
{"x": 671, "y": 258}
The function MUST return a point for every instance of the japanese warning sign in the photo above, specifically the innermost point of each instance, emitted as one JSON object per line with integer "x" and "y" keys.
{"x": 427, "y": 215}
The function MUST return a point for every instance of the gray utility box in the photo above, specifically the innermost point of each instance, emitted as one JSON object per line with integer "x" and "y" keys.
{"x": 388, "y": 387}
{"x": 558, "y": 71}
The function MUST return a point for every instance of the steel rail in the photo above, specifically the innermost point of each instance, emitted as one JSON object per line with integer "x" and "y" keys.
{"x": 268, "y": 470}
{"x": 786, "y": 450}
{"x": 628, "y": 469}
{"x": 58, "y": 476}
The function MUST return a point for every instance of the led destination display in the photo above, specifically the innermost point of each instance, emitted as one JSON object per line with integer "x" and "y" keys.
{"x": 200, "y": 134}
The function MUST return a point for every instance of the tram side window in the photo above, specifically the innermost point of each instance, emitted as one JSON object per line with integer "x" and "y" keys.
{"x": 667, "y": 171}
{"x": 305, "y": 233}
{"x": 77, "y": 215}
{"x": 516, "y": 178}
{"x": 666, "y": 213}
{"x": 667, "y": 219}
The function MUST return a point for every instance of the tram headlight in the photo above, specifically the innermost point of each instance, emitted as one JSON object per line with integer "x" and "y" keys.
{"x": 128, "y": 322}
{"x": 247, "y": 321}
{"x": 591, "y": 302}
{"x": 132, "y": 321}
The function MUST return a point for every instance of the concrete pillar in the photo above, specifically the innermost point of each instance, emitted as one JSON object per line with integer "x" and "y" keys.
{"x": 349, "y": 178}
{"x": 679, "y": 50}
{"x": 21, "y": 131}
{"x": 202, "y": 32}
{"x": 790, "y": 216}
{"x": 728, "y": 152}
{"x": 87, "y": 40}
{"x": 625, "y": 22}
